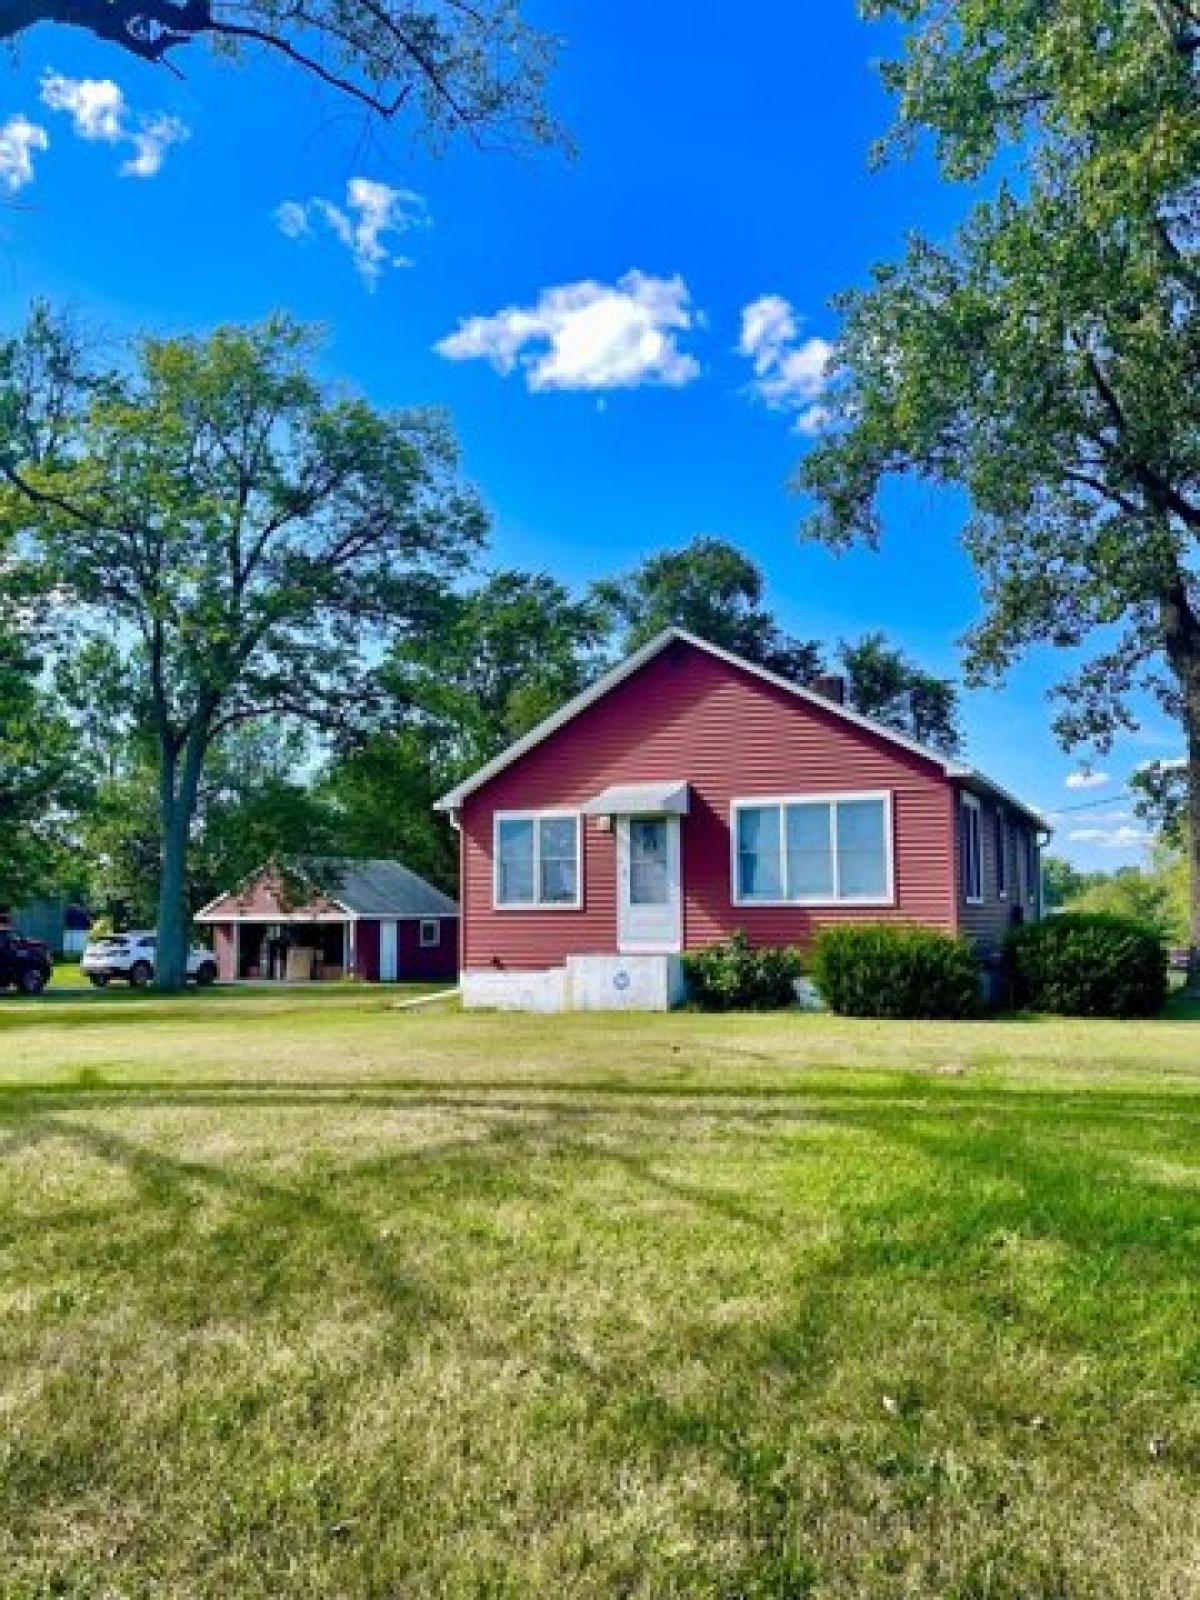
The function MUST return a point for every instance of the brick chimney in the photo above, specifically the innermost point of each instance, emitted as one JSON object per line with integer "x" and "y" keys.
{"x": 830, "y": 686}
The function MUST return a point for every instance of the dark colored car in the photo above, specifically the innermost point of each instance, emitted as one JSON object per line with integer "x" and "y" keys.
{"x": 25, "y": 964}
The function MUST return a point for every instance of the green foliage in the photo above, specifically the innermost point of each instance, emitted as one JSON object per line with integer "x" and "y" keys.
{"x": 379, "y": 799}
{"x": 1047, "y": 360}
{"x": 478, "y": 69}
{"x": 485, "y": 665}
{"x": 1088, "y": 964}
{"x": 1063, "y": 882}
{"x": 883, "y": 683}
{"x": 887, "y": 969}
{"x": 241, "y": 535}
{"x": 712, "y": 589}
{"x": 1156, "y": 899}
{"x": 38, "y": 773}
{"x": 739, "y": 976}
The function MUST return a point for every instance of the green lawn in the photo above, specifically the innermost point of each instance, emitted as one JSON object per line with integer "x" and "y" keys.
{"x": 304, "y": 1296}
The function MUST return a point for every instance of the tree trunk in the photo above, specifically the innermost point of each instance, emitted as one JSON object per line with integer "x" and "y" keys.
{"x": 179, "y": 782}
{"x": 1193, "y": 843}
{"x": 1181, "y": 630}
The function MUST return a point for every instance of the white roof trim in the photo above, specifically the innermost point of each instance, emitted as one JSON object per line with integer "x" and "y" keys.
{"x": 640, "y": 799}
{"x": 655, "y": 647}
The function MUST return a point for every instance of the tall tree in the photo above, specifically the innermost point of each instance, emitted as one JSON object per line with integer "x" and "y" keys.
{"x": 882, "y": 682}
{"x": 477, "y": 68}
{"x": 714, "y": 590}
{"x": 255, "y": 803}
{"x": 379, "y": 796}
{"x": 489, "y": 663}
{"x": 242, "y": 534}
{"x": 1048, "y": 359}
{"x": 37, "y": 758}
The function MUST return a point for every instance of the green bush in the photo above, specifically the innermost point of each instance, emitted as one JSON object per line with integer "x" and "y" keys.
{"x": 1088, "y": 964}
{"x": 889, "y": 969}
{"x": 735, "y": 976}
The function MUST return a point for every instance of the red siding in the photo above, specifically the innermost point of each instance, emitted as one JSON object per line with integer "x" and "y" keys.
{"x": 431, "y": 963}
{"x": 688, "y": 715}
{"x": 266, "y": 896}
{"x": 366, "y": 951}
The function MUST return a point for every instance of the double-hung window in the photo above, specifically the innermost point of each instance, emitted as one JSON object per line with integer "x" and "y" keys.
{"x": 972, "y": 850}
{"x": 818, "y": 850}
{"x": 1033, "y": 866}
{"x": 537, "y": 860}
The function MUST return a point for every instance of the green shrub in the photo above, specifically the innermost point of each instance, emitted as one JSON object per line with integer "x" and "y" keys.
{"x": 1088, "y": 964}
{"x": 736, "y": 976}
{"x": 889, "y": 969}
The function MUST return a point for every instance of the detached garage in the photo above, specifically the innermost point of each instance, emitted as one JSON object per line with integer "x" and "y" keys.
{"x": 335, "y": 918}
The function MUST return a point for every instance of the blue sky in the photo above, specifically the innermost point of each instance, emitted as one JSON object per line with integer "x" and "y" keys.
{"x": 722, "y": 165}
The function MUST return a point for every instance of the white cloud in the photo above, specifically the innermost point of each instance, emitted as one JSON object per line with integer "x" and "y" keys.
{"x": 1087, "y": 779}
{"x": 588, "y": 335}
{"x": 19, "y": 138}
{"x": 96, "y": 106}
{"x": 371, "y": 212}
{"x": 790, "y": 374}
{"x": 1126, "y": 837}
{"x": 100, "y": 114}
{"x": 151, "y": 141}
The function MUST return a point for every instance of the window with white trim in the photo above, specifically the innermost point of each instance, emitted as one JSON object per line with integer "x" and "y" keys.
{"x": 817, "y": 850}
{"x": 972, "y": 850}
{"x": 1002, "y": 848}
{"x": 537, "y": 860}
{"x": 431, "y": 933}
{"x": 1033, "y": 870}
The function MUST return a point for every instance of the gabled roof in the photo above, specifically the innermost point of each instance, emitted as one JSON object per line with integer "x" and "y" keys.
{"x": 379, "y": 888}
{"x": 360, "y": 888}
{"x": 655, "y": 647}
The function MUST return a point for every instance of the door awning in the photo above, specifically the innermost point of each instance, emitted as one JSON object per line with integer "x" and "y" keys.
{"x": 640, "y": 799}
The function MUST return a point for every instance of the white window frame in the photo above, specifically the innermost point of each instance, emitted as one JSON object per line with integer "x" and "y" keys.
{"x": 1004, "y": 860}
{"x": 970, "y": 804}
{"x": 426, "y": 924}
{"x": 832, "y": 800}
{"x": 537, "y": 904}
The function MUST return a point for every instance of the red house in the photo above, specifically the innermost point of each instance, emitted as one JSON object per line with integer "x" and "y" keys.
{"x": 374, "y": 920}
{"x": 689, "y": 793}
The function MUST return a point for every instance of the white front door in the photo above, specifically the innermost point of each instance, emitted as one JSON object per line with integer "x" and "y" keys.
{"x": 387, "y": 952}
{"x": 649, "y": 890}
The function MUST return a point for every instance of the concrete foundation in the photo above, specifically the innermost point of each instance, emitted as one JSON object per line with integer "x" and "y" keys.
{"x": 586, "y": 983}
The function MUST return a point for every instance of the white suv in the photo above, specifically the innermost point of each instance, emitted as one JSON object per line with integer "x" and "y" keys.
{"x": 131, "y": 956}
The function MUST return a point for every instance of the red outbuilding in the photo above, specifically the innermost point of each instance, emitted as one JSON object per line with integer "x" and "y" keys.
{"x": 335, "y": 918}
{"x": 689, "y": 793}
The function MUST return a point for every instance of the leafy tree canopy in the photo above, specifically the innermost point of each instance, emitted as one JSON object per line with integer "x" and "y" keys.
{"x": 478, "y": 68}
{"x": 1048, "y": 358}
{"x": 489, "y": 663}
{"x": 882, "y": 682}
{"x": 240, "y": 534}
{"x": 714, "y": 590}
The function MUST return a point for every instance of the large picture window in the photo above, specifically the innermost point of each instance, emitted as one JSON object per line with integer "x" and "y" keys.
{"x": 813, "y": 851}
{"x": 537, "y": 860}
{"x": 972, "y": 850}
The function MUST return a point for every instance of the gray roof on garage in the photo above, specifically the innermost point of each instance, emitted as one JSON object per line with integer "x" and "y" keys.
{"x": 378, "y": 888}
